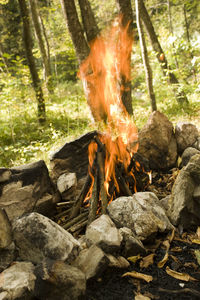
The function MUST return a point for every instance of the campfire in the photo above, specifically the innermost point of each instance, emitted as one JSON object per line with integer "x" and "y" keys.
{"x": 115, "y": 169}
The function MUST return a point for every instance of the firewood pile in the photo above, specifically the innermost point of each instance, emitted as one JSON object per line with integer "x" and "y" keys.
{"x": 93, "y": 199}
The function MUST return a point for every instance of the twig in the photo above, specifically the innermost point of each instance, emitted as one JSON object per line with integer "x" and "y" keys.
{"x": 93, "y": 201}
{"x": 181, "y": 291}
{"x": 78, "y": 226}
{"x": 75, "y": 220}
{"x": 103, "y": 195}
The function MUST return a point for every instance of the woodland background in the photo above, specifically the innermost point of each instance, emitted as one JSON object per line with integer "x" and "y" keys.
{"x": 31, "y": 128}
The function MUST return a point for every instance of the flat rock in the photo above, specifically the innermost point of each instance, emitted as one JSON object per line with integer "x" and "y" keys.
{"x": 24, "y": 187}
{"x": 38, "y": 237}
{"x": 57, "y": 280}
{"x": 5, "y": 230}
{"x": 92, "y": 261}
{"x": 104, "y": 234}
{"x": 142, "y": 213}
{"x": 183, "y": 206}
{"x": 157, "y": 142}
{"x": 18, "y": 281}
{"x": 186, "y": 135}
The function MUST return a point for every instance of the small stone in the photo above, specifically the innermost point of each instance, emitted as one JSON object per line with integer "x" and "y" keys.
{"x": 131, "y": 244}
{"x": 187, "y": 154}
{"x": 118, "y": 262}
{"x": 5, "y": 174}
{"x": 18, "y": 281}
{"x": 104, "y": 234}
{"x": 186, "y": 135}
{"x": 66, "y": 181}
{"x": 92, "y": 262}
{"x": 57, "y": 280}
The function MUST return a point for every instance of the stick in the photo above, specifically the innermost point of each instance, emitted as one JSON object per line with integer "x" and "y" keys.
{"x": 100, "y": 163}
{"x": 122, "y": 184}
{"x": 75, "y": 220}
{"x": 181, "y": 291}
{"x": 78, "y": 226}
{"x": 65, "y": 203}
{"x": 93, "y": 201}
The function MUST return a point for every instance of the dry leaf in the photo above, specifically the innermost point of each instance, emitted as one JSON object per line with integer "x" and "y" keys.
{"x": 163, "y": 261}
{"x": 133, "y": 259}
{"x": 175, "y": 259}
{"x": 191, "y": 265}
{"x": 147, "y": 261}
{"x": 141, "y": 297}
{"x": 196, "y": 241}
{"x": 135, "y": 274}
{"x": 171, "y": 237}
{"x": 176, "y": 249}
{"x": 180, "y": 276}
{"x": 198, "y": 232}
{"x": 197, "y": 254}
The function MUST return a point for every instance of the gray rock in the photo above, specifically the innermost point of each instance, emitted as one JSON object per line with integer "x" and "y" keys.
{"x": 5, "y": 230}
{"x": 25, "y": 187}
{"x": 37, "y": 237}
{"x": 183, "y": 208}
{"x": 186, "y": 135}
{"x": 131, "y": 244}
{"x": 157, "y": 142}
{"x": 18, "y": 281}
{"x": 92, "y": 261}
{"x": 196, "y": 193}
{"x": 165, "y": 202}
{"x": 187, "y": 154}
{"x": 56, "y": 280}
{"x": 141, "y": 213}
{"x": 104, "y": 234}
{"x": 7, "y": 256}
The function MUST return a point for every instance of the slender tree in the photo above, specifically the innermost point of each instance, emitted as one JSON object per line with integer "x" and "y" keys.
{"x": 148, "y": 70}
{"x": 180, "y": 95}
{"x": 39, "y": 34}
{"x": 28, "y": 43}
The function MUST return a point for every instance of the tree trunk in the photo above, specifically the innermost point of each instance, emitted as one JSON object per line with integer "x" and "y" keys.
{"x": 180, "y": 95}
{"x": 43, "y": 51}
{"x": 145, "y": 58}
{"x": 75, "y": 29}
{"x": 125, "y": 9}
{"x": 89, "y": 23}
{"x": 172, "y": 31}
{"x": 28, "y": 42}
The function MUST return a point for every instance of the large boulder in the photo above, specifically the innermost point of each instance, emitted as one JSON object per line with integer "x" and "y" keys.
{"x": 5, "y": 230}
{"x": 184, "y": 206}
{"x": 186, "y": 135}
{"x": 142, "y": 213}
{"x": 157, "y": 142}
{"x": 38, "y": 237}
{"x": 18, "y": 281}
{"x": 27, "y": 188}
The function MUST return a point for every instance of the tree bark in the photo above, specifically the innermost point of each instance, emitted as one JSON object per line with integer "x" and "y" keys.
{"x": 89, "y": 23}
{"x": 180, "y": 95}
{"x": 75, "y": 29}
{"x": 126, "y": 11}
{"x": 43, "y": 51}
{"x": 28, "y": 42}
{"x": 172, "y": 31}
{"x": 148, "y": 70}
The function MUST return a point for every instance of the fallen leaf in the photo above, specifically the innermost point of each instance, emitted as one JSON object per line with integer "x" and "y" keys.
{"x": 171, "y": 237}
{"x": 147, "y": 261}
{"x": 197, "y": 254}
{"x": 198, "y": 232}
{"x": 141, "y": 297}
{"x": 163, "y": 261}
{"x": 176, "y": 249}
{"x": 180, "y": 276}
{"x": 175, "y": 259}
{"x": 191, "y": 265}
{"x": 196, "y": 241}
{"x": 133, "y": 259}
{"x": 135, "y": 274}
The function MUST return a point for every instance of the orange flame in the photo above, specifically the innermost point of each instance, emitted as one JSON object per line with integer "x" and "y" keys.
{"x": 101, "y": 73}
